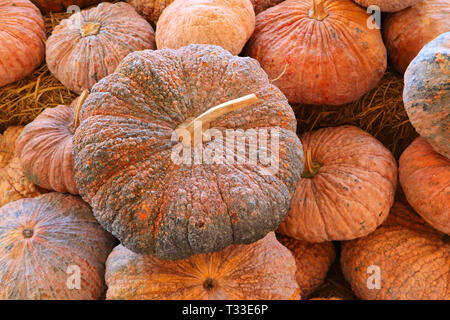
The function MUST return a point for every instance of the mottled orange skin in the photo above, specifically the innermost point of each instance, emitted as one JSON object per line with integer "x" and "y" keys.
{"x": 313, "y": 260}
{"x": 150, "y": 9}
{"x": 425, "y": 179}
{"x": 79, "y": 62}
{"x": 47, "y": 6}
{"x": 123, "y": 153}
{"x": 426, "y": 94}
{"x": 22, "y": 37}
{"x": 388, "y": 5}
{"x": 40, "y": 238}
{"x": 333, "y": 61}
{"x": 45, "y": 150}
{"x": 13, "y": 183}
{"x": 351, "y": 193}
{"x": 261, "y": 5}
{"x": 406, "y": 32}
{"x": 263, "y": 270}
{"x": 413, "y": 258}
{"x": 225, "y": 23}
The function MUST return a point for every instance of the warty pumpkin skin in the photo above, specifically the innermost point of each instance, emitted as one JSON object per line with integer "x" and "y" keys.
{"x": 22, "y": 37}
{"x": 406, "y": 32}
{"x": 261, "y": 5}
{"x": 347, "y": 187}
{"x": 41, "y": 238}
{"x": 263, "y": 270}
{"x": 150, "y": 9}
{"x": 48, "y": 6}
{"x": 388, "y": 5}
{"x": 313, "y": 260}
{"x": 329, "y": 58}
{"x": 426, "y": 95}
{"x": 413, "y": 259}
{"x": 425, "y": 179}
{"x": 90, "y": 44}
{"x": 45, "y": 149}
{"x": 13, "y": 183}
{"x": 226, "y": 23}
{"x": 151, "y": 203}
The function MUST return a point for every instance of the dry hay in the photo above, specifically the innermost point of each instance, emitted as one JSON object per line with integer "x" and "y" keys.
{"x": 379, "y": 112}
{"x": 22, "y": 101}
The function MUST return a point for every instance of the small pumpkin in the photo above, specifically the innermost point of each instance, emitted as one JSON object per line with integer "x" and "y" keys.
{"x": 91, "y": 43}
{"x": 43, "y": 241}
{"x": 45, "y": 148}
{"x": 388, "y": 5}
{"x": 13, "y": 183}
{"x": 150, "y": 9}
{"x": 347, "y": 187}
{"x": 425, "y": 179}
{"x": 411, "y": 258}
{"x": 226, "y": 23}
{"x": 318, "y": 51}
{"x": 22, "y": 37}
{"x": 124, "y": 152}
{"x": 261, "y": 5}
{"x": 407, "y": 31}
{"x": 48, "y": 6}
{"x": 426, "y": 94}
{"x": 263, "y": 270}
{"x": 313, "y": 260}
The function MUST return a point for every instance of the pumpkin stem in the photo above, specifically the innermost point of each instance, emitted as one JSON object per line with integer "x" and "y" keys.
{"x": 318, "y": 11}
{"x": 90, "y": 29}
{"x": 217, "y": 111}
{"x": 311, "y": 166}
{"x": 28, "y": 233}
{"x": 81, "y": 100}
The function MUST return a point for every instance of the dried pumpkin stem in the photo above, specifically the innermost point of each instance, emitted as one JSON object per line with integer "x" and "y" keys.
{"x": 219, "y": 110}
{"x": 90, "y": 29}
{"x": 318, "y": 11}
{"x": 81, "y": 100}
{"x": 311, "y": 167}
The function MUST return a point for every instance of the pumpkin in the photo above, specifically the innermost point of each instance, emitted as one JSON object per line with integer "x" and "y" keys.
{"x": 226, "y": 23}
{"x": 426, "y": 94}
{"x": 261, "y": 5}
{"x": 425, "y": 179}
{"x": 13, "y": 183}
{"x": 313, "y": 260}
{"x": 90, "y": 44}
{"x": 263, "y": 270}
{"x": 388, "y": 5}
{"x": 22, "y": 36}
{"x": 126, "y": 158}
{"x": 150, "y": 9}
{"x": 406, "y": 32}
{"x": 347, "y": 187}
{"x": 48, "y": 6}
{"x": 45, "y": 149}
{"x": 318, "y": 52}
{"x": 411, "y": 260}
{"x": 45, "y": 243}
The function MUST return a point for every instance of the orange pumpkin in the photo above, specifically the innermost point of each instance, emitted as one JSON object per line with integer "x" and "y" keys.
{"x": 404, "y": 259}
{"x": 150, "y": 9}
{"x": 46, "y": 240}
{"x": 425, "y": 179}
{"x": 407, "y": 31}
{"x": 313, "y": 260}
{"x": 225, "y": 23}
{"x": 263, "y": 270}
{"x": 22, "y": 37}
{"x": 388, "y": 5}
{"x": 90, "y": 44}
{"x": 318, "y": 51}
{"x": 347, "y": 187}
{"x": 13, "y": 183}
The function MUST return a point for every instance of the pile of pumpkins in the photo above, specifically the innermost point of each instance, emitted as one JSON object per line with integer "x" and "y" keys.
{"x": 81, "y": 178}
